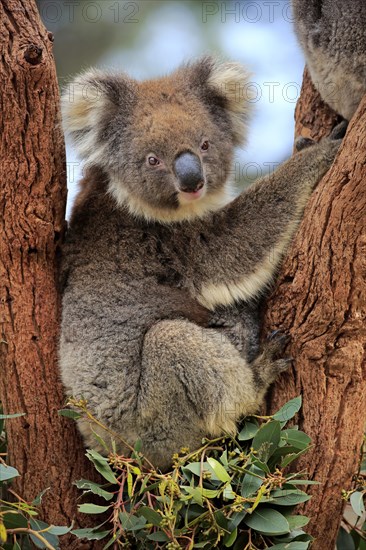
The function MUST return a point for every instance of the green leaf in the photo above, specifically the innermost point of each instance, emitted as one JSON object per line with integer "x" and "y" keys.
{"x": 210, "y": 493}
{"x": 289, "y": 410}
{"x": 95, "y": 488}
{"x": 14, "y": 520}
{"x": 58, "y": 530}
{"x": 297, "y": 545}
{"x": 248, "y": 432}
{"x": 100, "y": 440}
{"x": 345, "y": 540}
{"x": 230, "y": 538}
{"x": 159, "y": 536}
{"x": 288, "y": 497}
{"x": 195, "y": 494}
{"x": 228, "y": 493}
{"x": 251, "y": 483}
{"x": 219, "y": 470}
{"x": 267, "y": 521}
{"x": 15, "y": 415}
{"x": 38, "y": 500}
{"x": 150, "y": 515}
{"x": 16, "y": 546}
{"x": 130, "y": 522}
{"x": 194, "y": 467}
{"x": 296, "y": 439}
{"x": 296, "y": 481}
{"x": 296, "y": 522}
{"x": 357, "y": 503}
{"x": 235, "y": 519}
{"x": 267, "y": 439}
{"x": 291, "y": 457}
{"x": 101, "y": 464}
{"x": 38, "y": 525}
{"x": 261, "y": 465}
{"x": 69, "y": 413}
{"x": 7, "y": 472}
{"x": 90, "y": 534}
{"x": 89, "y": 508}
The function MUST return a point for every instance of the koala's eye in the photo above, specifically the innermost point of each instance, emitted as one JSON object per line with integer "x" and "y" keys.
{"x": 205, "y": 145}
{"x": 153, "y": 161}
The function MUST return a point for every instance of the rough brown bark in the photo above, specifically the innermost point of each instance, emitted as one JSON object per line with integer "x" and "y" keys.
{"x": 320, "y": 299}
{"x": 45, "y": 448}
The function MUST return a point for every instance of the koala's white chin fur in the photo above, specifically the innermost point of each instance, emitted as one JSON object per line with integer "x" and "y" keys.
{"x": 210, "y": 202}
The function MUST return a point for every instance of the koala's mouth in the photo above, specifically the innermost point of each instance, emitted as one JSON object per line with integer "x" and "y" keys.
{"x": 189, "y": 196}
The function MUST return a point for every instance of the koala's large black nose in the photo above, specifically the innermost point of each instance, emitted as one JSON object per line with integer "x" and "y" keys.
{"x": 188, "y": 170}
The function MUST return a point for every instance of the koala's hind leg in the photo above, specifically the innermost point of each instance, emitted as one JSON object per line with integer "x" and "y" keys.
{"x": 194, "y": 383}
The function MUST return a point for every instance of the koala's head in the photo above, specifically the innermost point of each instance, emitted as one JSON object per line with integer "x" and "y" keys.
{"x": 166, "y": 144}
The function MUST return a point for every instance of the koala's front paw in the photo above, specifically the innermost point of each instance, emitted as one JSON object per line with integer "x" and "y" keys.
{"x": 303, "y": 142}
{"x": 339, "y": 131}
{"x": 276, "y": 343}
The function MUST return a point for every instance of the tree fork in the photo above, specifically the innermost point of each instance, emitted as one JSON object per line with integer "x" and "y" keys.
{"x": 320, "y": 299}
{"x": 44, "y": 447}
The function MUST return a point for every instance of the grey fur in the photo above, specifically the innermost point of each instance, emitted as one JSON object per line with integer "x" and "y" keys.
{"x": 159, "y": 330}
{"x": 332, "y": 34}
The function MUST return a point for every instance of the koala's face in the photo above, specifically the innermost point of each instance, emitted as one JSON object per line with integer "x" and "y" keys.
{"x": 167, "y": 144}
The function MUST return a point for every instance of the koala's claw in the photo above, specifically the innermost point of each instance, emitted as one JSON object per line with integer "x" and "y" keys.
{"x": 282, "y": 365}
{"x": 277, "y": 342}
{"x": 303, "y": 142}
{"x": 339, "y": 131}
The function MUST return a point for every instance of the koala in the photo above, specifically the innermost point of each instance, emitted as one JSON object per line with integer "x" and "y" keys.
{"x": 162, "y": 268}
{"x": 332, "y": 34}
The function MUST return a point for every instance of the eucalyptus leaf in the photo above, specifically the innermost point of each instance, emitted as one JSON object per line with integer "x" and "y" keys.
{"x": 130, "y": 522}
{"x": 248, "y": 431}
{"x": 296, "y": 439}
{"x": 150, "y": 515}
{"x": 296, "y": 522}
{"x": 7, "y": 472}
{"x": 251, "y": 482}
{"x": 266, "y": 440}
{"x": 69, "y": 413}
{"x": 357, "y": 503}
{"x": 345, "y": 540}
{"x": 230, "y": 538}
{"x": 38, "y": 525}
{"x": 101, "y": 464}
{"x": 89, "y": 508}
{"x": 159, "y": 536}
{"x": 38, "y": 500}
{"x": 95, "y": 488}
{"x": 267, "y": 521}
{"x": 90, "y": 534}
{"x": 288, "y": 410}
{"x": 219, "y": 470}
{"x": 15, "y": 415}
{"x": 296, "y": 545}
{"x": 14, "y": 520}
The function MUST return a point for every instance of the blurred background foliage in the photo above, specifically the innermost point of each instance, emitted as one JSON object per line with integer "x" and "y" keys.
{"x": 150, "y": 38}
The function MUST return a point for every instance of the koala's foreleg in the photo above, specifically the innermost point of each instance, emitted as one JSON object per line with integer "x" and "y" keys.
{"x": 243, "y": 244}
{"x": 195, "y": 383}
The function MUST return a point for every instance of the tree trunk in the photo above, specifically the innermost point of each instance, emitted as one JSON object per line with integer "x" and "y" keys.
{"x": 320, "y": 299}
{"x": 43, "y": 446}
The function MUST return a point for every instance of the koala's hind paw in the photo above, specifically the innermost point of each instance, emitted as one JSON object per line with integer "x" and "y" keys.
{"x": 339, "y": 131}
{"x": 303, "y": 142}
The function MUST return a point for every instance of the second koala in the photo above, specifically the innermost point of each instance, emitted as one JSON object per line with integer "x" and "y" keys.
{"x": 160, "y": 264}
{"x": 332, "y": 34}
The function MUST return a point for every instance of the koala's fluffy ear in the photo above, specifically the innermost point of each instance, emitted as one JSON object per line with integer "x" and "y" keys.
{"x": 89, "y": 103}
{"x": 225, "y": 84}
